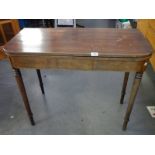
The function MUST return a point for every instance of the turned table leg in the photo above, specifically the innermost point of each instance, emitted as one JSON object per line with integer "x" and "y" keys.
{"x": 126, "y": 76}
{"x": 24, "y": 95}
{"x": 134, "y": 91}
{"x": 40, "y": 81}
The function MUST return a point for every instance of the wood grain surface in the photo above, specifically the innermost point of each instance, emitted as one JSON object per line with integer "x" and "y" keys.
{"x": 108, "y": 42}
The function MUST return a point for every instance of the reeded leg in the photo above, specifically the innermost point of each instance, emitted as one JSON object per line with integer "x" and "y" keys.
{"x": 40, "y": 81}
{"x": 24, "y": 95}
{"x": 126, "y": 76}
{"x": 134, "y": 91}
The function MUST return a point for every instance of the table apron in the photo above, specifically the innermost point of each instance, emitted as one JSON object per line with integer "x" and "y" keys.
{"x": 77, "y": 63}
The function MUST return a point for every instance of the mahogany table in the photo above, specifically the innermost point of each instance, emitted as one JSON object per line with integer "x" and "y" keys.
{"x": 82, "y": 49}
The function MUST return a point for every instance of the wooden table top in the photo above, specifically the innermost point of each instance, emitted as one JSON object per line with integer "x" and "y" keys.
{"x": 108, "y": 42}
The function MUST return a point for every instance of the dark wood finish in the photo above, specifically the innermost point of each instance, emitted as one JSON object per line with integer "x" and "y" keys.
{"x": 75, "y": 62}
{"x": 126, "y": 76}
{"x": 68, "y": 48}
{"x": 107, "y": 42}
{"x": 40, "y": 81}
{"x": 24, "y": 95}
{"x": 134, "y": 90}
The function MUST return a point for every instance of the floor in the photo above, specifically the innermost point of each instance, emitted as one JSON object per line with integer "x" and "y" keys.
{"x": 75, "y": 102}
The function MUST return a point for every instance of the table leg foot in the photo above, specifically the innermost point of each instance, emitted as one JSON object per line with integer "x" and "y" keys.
{"x": 32, "y": 121}
{"x": 40, "y": 81}
{"x": 134, "y": 91}
{"x": 21, "y": 86}
{"x": 125, "y": 124}
{"x": 126, "y": 77}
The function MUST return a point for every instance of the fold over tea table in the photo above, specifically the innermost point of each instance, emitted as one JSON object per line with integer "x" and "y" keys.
{"x": 93, "y": 49}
